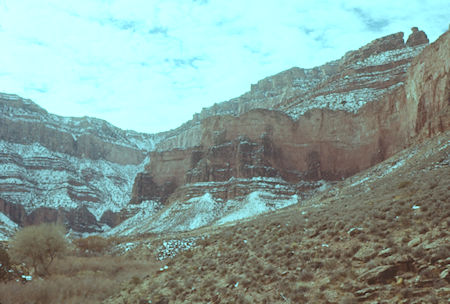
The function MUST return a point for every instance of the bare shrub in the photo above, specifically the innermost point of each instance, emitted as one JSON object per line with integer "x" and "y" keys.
{"x": 306, "y": 275}
{"x": 350, "y": 299}
{"x": 5, "y": 265}
{"x": 92, "y": 245}
{"x": 404, "y": 184}
{"x": 78, "y": 280}
{"x": 38, "y": 246}
{"x": 57, "y": 289}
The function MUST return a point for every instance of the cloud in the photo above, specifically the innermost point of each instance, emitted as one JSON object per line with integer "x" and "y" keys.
{"x": 190, "y": 62}
{"x": 371, "y": 23}
{"x": 39, "y": 90}
{"x": 201, "y": 2}
{"x": 127, "y": 25}
{"x": 149, "y": 65}
{"x": 159, "y": 30}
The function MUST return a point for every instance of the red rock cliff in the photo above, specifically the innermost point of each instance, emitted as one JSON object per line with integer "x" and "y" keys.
{"x": 366, "y": 107}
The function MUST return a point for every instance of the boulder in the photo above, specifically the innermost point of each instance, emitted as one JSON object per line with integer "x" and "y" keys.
{"x": 417, "y": 38}
{"x": 365, "y": 254}
{"x": 381, "y": 274}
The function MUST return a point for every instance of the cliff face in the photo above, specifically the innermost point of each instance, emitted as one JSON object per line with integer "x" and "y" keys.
{"x": 70, "y": 170}
{"x": 302, "y": 126}
{"x": 427, "y": 90}
{"x": 291, "y": 135}
{"x": 24, "y": 122}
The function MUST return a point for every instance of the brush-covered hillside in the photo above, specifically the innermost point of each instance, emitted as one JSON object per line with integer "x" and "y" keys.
{"x": 381, "y": 236}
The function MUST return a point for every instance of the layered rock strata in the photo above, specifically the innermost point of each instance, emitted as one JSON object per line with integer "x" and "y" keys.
{"x": 293, "y": 133}
{"x": 325, "y": 123}
{"x": 78, "y": 171}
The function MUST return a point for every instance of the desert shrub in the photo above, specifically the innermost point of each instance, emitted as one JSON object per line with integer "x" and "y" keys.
{"x": 92, "y": 245}
{"x": 298, "y": 297}
{"x": 423, "y": 229}
{"x": 38, "y": 246}
{"x": 330, "y": 264}
{"x": 57, "y": 289}
{"x": 406, "y": 292}
{"x": 78, "y": 280}
{"x": 188, "y": 253}
{"x": 353, "y": 250}
{"x": 188, "y": 283}
{"x": 439, "y": 253}
{"x": 135, "y": 280}
{"x": 432, "y": 299}
{"x": 232, "y": 279}
{"x": 362, "y": 237}
{"x": 5, "y": 265}
{"x": 306, "y": 275}
{"x": 403, "y": 184}
{"x": 349, "y": 299}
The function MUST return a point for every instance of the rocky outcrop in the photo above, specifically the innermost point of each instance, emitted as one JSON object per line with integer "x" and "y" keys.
{"x": 145, "y": 188}
{"x": 77, "y": 219}
{"x": 349, "y": 115}
{"x": 417, "y": 37}
{"x": 273, "y": 90}
{"x": 69, "y": 170}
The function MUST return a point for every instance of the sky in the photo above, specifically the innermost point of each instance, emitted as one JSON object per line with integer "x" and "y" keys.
{"x": 149, "y": 65}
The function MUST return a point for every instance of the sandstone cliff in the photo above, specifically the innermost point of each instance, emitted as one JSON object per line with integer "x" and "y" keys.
{"x": 302, "y": 126}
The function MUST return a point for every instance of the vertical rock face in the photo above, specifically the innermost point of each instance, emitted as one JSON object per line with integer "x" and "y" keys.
{"x": 69, "y": 170}
{"x": 325, "y": 123}
{"x": 427, "y": 90}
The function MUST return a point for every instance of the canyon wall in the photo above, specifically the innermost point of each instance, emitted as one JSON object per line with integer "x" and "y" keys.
{"x": 78, "y": 171}
{"x": 325, "y": 123}
{"x": 291, "y": 134}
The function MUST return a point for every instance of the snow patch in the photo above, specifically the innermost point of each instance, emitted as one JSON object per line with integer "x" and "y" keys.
{"x": 143, "y": 211}
{"x": 39, "y": 177}
{"x": 257, "y": 203}
{"x": 170, "y": 248}
{"x": 7, "y": 227}
{"x": 202, "y": 211}
{"x": 183, "y": 216}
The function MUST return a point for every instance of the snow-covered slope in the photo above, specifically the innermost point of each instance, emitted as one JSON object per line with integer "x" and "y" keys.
{"x": 66, "y": 168}
{"x": 264, "y": 195}
{"x": 16, "y": 109}
{"x": 7, "y": 227}
{"x": 37, "y": 177}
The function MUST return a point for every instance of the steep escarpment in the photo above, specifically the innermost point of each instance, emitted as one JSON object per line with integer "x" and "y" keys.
{"x": 427, "y": 90}
{"x": 24, "y": 122}
{"x": 360, "y": 77}
{"x": 304, "y": 126}
{"x": 73, "y": 170}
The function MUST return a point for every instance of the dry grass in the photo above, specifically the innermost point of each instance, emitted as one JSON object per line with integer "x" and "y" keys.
{"x": 78, "y": 280}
